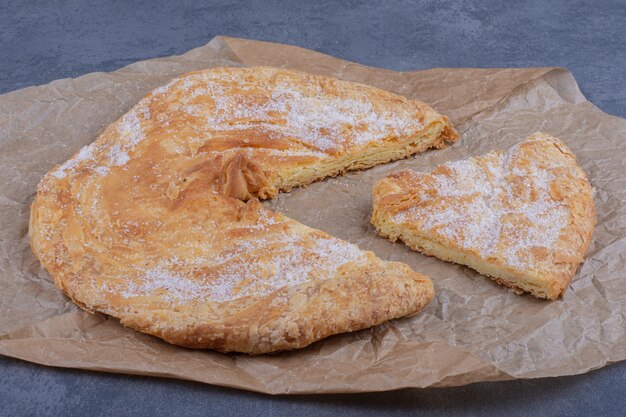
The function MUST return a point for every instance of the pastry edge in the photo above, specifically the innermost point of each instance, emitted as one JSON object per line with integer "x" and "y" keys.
{"x": 333, "y": 309}
{"x": 435, "y": 136}
{"x": 546, "y": 285}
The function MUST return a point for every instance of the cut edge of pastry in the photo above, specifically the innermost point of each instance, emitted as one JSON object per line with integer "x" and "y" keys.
{"x": 436, "y": 136}
{"x": 543, "y": 285}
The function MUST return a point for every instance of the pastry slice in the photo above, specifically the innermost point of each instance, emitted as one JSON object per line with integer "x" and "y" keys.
{"x": 156, "y": 223}
{"x": 523, "y": 217}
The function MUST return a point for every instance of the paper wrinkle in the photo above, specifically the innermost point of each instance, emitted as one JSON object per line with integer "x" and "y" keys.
{"x": 474, "y": 330}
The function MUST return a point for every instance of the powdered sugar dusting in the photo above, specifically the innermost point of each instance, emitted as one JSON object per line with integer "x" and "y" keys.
{"x": 102, "y": 170}
{"x": 158, "y": 279}
{"x": 84, "y": 155}
{"x": 315, "y": 118}
{"x": 491, "y": 205}
{"x": 270, "y": 264}
{"x": 131, "y": 133}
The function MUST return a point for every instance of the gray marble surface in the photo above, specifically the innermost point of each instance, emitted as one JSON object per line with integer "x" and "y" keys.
{"x": 44, "y": 40}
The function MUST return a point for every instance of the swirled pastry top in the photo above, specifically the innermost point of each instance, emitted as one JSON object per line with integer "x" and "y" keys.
{"x": 524, "y": 216}
{"x": 149, "y": 224}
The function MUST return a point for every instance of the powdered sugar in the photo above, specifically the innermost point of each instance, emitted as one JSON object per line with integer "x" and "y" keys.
{"x": 118, "y": 155}
{"x": 84, "y": 155}
{"x": 319, "y": 120}
{"x": 130, "y": 134}
{"x": 270, "y": 264}
{"x": 493, "y": 207}
{"x": 324, "y": 122}
{"x": 102, "y": 170}
{"x": 174, "y": 286}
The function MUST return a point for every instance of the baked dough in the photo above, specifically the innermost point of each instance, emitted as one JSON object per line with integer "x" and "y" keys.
{"x": 150, "y": 222}
{"x": 523, "y": 217}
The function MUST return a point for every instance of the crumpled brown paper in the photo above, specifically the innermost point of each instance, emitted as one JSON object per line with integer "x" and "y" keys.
{"x": 472, "y": 331}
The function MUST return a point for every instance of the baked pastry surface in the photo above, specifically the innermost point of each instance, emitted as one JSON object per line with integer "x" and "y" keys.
{"x": 523, "y": 217}
{"x": 157, "y": 222}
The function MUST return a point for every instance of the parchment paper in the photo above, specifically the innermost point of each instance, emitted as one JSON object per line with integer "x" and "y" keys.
{"x": 473, "y": 331}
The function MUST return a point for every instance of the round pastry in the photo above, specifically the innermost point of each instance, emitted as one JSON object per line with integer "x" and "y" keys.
{"x": 157, "y": 222}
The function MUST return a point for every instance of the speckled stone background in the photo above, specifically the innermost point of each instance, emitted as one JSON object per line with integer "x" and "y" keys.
{"x": 44, "y": 40}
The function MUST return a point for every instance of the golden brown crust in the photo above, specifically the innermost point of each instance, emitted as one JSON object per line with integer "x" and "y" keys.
{"x": 148, "y": 224}
{"x": 523, "y": 217}
{"x": 294, "y": 317}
